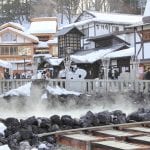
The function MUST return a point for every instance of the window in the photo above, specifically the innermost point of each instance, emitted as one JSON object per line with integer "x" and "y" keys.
{"x": 9, "y": 37}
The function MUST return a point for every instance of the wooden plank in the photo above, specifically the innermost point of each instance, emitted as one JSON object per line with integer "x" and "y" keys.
{"x": 117, "y": 145}
{"x": 139, "y": 129}
{"x": 117, "y": 134}
{"x": 80, "y": 141}
{"x": 140, "y": 139}
{"x": 122, "y": 126}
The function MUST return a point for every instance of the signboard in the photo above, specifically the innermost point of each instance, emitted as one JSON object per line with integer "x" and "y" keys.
{"x": 23, "y": 50}
{"x": 145, "y": 35}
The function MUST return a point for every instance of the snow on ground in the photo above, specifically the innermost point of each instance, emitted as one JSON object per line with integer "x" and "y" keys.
{"x": 26, "y": 89}
{"x": 60, "y": 91}
{"x": 2, "y": 128}
{"x": 4, "y": 147}
{"x": 20, "y": 91}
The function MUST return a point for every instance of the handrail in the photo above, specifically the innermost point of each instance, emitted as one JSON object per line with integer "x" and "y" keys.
{"x": 89, "y": 86}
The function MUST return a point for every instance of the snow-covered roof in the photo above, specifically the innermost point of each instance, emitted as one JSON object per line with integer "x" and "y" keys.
{"x": 5, "y": 64}
{"x": 53, "y": 41}
{"x": 147, "y": 9}
{"x": 42, "y": 45}
{"x": 68, "y": 29}
{"x": 54, "y": 61}
{"x": 43, "y": 27}
{"x": 32, "y": 37}
{"x": 114, "y": 18}
{"x": 12, "y": 24}
{"x": 91, "y": 57}
{"x": 117, "y": 17}
{"x": 43, "y": 55}
{"x": 94, "y": 55}
{"x": 18, "y": 61}
{"x": 121, "y": 53}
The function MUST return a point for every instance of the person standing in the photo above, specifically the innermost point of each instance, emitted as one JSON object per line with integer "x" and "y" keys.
{"x": 147, "y": 74}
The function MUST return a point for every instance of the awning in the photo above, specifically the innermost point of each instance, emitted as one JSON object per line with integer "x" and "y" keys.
{"x": 91, "y": 57}
{"x": 54, "y": 61}
{"x": 121, "y": 53}
{"x": 5, "y": 64}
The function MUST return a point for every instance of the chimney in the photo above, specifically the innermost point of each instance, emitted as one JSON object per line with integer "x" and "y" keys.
{"x": 146, "y": 17}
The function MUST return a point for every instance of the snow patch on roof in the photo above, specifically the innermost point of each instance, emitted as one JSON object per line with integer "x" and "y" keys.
{"x": 91, "y": 57}
{"x": 40, "y": 27}
{"x": 5, "y": 64}
{"x": 55, "y": 61}
{"x": 43, "y": 55}
{"x": 19, "y": 61}
{"x": 42, "y": 45}
{"x": 53, "y": 41}
{"x": 32, "y": 37}
{"x": 13, "y": 24}
{"x": 126, "y": 19}
{"x": 121, "y": 53}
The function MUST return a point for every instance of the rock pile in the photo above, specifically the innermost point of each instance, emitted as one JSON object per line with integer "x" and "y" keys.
{"x": 22, "y": 134}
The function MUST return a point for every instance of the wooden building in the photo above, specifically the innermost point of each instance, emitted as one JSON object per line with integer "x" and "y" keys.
{"x": 69, "y": 38}
{"x": 45, "y": 29}
{"x": 142, "y": 39}
{"x": 106, "y": 47}
{"x": 16, "y": 46}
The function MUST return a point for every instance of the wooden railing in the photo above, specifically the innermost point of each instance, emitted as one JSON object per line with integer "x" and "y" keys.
{"x": 84, "y": 86}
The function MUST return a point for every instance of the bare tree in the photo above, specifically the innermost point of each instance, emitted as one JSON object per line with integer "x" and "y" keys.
{"x": 68, "y": 8}
{"x": 43, "y": 8}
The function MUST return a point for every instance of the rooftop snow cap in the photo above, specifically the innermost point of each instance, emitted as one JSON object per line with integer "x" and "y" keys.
{"x": 146, "y": 17}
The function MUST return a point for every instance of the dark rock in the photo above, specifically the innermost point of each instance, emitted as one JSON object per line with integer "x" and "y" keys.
{"x": 3, "y": 140}
{"x": 118, "y": 117}
{"x": 55, "y": 119}
{"x": 67, "y": 120}
{"x": 26, "y": 134}
{"x": 104, "y": 118}
{"x": 11, "y": 130}
{"x": 13, "y": 141}
{"x": 31, "y": 121}
{"x": 55, "y": 127}
{"x": 51, "y": 140}
{"x": 88, "y": 120}
{"x": 11, "y": 122}
{"x": 45, "y": 123}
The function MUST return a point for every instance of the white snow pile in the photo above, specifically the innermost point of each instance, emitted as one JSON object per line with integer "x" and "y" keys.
{"x": 4, "y": 147}
{"x": 5, "y": 64}
{"x": 91, "y": 57}
{"x": 20, "y": 91}
{"x": 61, "y": 91}
{"x": 2, "y": 128}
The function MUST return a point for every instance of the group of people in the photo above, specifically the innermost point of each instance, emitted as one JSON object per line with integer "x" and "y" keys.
{"x": 45, "y": 74}
{"x": 112, "y": 74}
{"x": 147, "y": 74}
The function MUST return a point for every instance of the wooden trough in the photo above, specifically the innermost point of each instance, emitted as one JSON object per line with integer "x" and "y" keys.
{"x": 129, "y": 136}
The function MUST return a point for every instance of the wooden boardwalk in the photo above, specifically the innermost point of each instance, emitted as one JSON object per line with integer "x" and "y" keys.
{"x": 130, "y": 136}
{"x": 86, "y": 86}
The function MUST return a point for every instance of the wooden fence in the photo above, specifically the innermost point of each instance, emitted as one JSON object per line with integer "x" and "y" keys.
{"x": 86, "y": 86}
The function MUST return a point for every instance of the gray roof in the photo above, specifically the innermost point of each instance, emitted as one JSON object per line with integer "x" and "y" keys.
{"x": 66, "y": 30}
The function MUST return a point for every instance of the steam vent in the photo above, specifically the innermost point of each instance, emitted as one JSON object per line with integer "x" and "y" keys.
{"x": 146, "y": 17}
